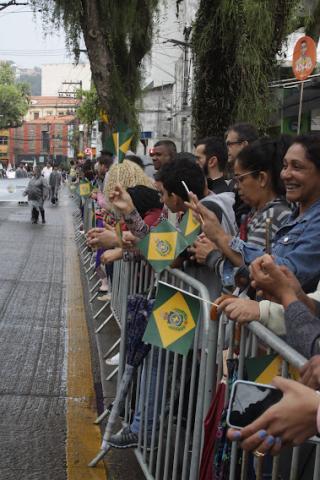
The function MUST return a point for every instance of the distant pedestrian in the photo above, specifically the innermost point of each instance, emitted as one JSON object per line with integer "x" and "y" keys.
{"x": 55, "y": 180}
{"x": 37, "y": 191}
{"x": 46, "y": 171}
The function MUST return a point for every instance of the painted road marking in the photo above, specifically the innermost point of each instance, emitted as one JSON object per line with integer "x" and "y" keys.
{"x": 83, "y": 438}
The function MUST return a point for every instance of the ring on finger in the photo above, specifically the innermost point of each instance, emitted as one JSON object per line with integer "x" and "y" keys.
{"x": 258, "y": 454}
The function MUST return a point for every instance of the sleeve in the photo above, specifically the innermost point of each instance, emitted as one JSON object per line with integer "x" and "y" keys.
{"x": 272, "y": 317}
{"x": 136, "y": 225}
{"x": 101, "y": 200}
{"x": 298, "y": 259}
{"x": 214, "y": 207}
{"x": 303, "y": 328}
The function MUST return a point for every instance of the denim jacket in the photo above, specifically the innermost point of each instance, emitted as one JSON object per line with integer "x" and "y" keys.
{"x": 296, "y": 245}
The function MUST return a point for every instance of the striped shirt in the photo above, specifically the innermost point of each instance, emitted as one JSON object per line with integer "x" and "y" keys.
{"x": 277, "y": 210}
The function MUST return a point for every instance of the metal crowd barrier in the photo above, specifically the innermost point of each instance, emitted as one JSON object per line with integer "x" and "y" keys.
{"x": 172, "y": 393}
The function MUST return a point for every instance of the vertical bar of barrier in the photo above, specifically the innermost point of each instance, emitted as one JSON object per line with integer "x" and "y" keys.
{"x": 179, "y": 418}
{"x": 155, "y": 412}
{"x": 294, "y": 464}
{"x": 170, "y": 418}
{"x": 316, "y": 473}
{"x": 162, "y": 415}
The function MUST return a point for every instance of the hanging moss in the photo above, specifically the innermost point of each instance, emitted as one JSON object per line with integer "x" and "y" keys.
{"x": 235, "y": 44}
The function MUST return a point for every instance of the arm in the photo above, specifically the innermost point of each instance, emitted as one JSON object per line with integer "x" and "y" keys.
{"x": 303, "y": 328}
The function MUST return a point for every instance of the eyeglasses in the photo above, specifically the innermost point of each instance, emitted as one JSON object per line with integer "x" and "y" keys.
{"x": 237, "y": 142}
{"x": 239, "y": 178}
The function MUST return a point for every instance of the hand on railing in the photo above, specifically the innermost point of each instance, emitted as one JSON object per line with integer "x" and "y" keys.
{"x": 310, "y": 373}
{"x": 277, "y": 282}
{"x": 102, "y": 237}
{"x": 111, "y": 255}
{"x": 291, "y": 421}
{"x": 240, "y": 310}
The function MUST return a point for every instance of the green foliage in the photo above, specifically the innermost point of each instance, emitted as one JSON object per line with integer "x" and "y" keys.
{"x": 14, "y": 98}
{"x": 235, "y": 46}
{"x": 89, "y": 109}
{"x": 126, "y": 31}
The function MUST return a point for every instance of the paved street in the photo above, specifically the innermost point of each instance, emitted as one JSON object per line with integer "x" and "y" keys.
{"x": 47, "y": 399}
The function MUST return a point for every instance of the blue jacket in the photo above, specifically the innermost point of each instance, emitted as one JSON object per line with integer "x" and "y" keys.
{"x": 296, "y": 245}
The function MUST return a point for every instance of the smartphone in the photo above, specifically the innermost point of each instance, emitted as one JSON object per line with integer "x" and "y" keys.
{"x": 248, "y": 401}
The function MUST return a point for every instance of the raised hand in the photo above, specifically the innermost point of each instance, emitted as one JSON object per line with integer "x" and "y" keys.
{"x": 121, "y": 199}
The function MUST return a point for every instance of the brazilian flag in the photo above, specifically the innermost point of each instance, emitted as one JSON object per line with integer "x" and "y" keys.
{"x": 84, "y": 188}
{"x": 162, "y": 245}
{"x": 119, "y": 142}
{"x": 173, "y": 320}
{"x": 264, "y": 368}
{"x": 190, "y": 227}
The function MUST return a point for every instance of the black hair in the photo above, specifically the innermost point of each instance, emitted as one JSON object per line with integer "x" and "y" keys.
{"x": 105, "y": 159}
{"x": 169, "y": 144}
{"x": 245, "y": 131}
{"x": 185, "y": 156}
{"x": 171, "y": 175}
{"x": 215, "y": 147}
{"x": 144, "y": 198}
{"x": 135, "y": 159}
{"x": 266, "y": 155}
{"x": 311, "y": 145}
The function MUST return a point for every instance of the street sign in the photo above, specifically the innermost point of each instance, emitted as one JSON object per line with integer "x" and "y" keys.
{"x": 304, "y": 58}
{"x": 88, "y": 151}
{"x": 303, "y": 63}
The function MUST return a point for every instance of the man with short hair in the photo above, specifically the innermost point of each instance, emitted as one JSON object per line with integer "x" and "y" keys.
{"x": 237, "y": 137}
{"x": 46, "y": 171}
{"x": 212, "y": 156}
{"x": 163, "y": 152}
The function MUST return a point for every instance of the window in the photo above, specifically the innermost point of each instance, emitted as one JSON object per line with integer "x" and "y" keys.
{"x": 45, "y": 141}
{"x": 3, "y": 140}
{"x": 49, "y": 112}
{"x": 35, "y": 115}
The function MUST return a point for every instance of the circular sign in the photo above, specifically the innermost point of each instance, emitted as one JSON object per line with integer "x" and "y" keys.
{"x": 304, "y": 58}
{"x": 88, "y": 151}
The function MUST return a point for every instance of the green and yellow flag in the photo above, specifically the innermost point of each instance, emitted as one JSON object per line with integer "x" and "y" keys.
{"x": 263, "y": 369}
{"x": 190, "y": 227}
{"x": 162, "y": 245}
{"x": 122, "y": 140}
{"x": 173, "y": 320}
{"x": 84, "y": 188}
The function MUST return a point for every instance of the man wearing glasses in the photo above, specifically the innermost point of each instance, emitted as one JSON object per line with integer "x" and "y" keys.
{"x": 237, "y": 137}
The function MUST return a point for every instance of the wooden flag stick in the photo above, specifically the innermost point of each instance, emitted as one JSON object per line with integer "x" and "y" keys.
{"x": 188, "y": 293}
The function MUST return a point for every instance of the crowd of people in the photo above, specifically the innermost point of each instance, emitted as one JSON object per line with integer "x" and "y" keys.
{"x": 258, "y": 202}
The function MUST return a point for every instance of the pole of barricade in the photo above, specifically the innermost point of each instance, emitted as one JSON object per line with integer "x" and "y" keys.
{"x": 316, "y": 473}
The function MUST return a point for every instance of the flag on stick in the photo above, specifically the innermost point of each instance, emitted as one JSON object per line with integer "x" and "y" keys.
{"x": 173, "y": 320}
{"x": 84, "y": 188}
{"x": 190, "y": 227}
{"x": 162, "y": 245}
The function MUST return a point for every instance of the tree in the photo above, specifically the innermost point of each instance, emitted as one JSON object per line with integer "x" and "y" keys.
{"x": 88, "y": 110}
{"x": 117, "y": 36}
{"x": 14, "y": 98}
{"x": 235, "y": 46}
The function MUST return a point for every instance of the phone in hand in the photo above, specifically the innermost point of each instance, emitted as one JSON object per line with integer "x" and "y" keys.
{"x": 248, "y": 401}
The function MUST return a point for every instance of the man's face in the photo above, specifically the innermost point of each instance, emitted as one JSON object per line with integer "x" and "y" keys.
{"x": 201, "y": 158}
{"x": 170, "y": 200}
{"x": 102, "y": 170}
{"x": 234, "y": 145}
{"x": 160, "y": 156}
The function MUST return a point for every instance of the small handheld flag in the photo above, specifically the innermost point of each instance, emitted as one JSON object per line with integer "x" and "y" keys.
{"x": 190, "y": 227}
{"x": 173, "y": 320}
{"x": 84, "y": 188}
{"x": 162, "y": 245}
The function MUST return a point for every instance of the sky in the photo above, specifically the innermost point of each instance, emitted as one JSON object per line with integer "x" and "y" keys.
{"x": 22, "y": 39}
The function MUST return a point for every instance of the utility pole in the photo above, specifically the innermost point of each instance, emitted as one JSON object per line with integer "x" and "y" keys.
{"x": 12, "y": 3}
{"x": 185, "y": 90}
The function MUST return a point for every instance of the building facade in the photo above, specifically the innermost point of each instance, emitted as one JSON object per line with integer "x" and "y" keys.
{"x": 42, "y": 140}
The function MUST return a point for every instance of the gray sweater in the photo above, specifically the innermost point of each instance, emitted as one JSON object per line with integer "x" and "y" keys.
{"x": 303, "y": 329}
